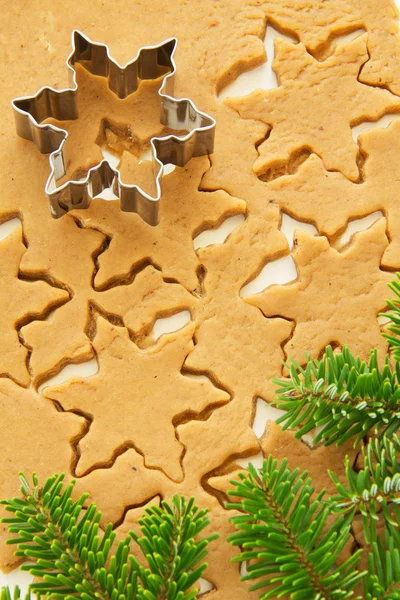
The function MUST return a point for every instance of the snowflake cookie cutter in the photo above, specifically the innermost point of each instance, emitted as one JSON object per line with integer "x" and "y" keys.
{"x": 151, "y": 62}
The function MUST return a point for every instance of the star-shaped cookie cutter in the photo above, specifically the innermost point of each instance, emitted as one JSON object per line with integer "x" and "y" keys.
{"x": 151, "y": 62}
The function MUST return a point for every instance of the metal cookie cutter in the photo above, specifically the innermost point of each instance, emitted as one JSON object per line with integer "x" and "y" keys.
{"x": 151, "y": 62}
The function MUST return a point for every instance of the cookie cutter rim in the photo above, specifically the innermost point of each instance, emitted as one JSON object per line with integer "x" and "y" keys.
{"x": 172, "y": 148}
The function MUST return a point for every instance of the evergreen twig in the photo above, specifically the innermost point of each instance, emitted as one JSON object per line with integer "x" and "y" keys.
{"x": 394, "y": 316}
{"x": 373, "y": 491}
{"x": 286, "y": 544}
{"x": 75, "y": 559}
{"x": 342, "y": 395}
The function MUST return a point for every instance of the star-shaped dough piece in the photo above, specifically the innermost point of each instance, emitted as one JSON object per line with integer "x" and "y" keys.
{"x": 65, "y": 336}
{"x": 337, "y": 296}
{"x": 320, "y": 121}
{"x": 317, "y": 24}
{"x": 35, "y": 438}
{"x": 227, "y": 326}
{"x": 314, "y": 195}
{"x": 21, "y": 301}
{"x": 136, "y": 399}
{"x": 380, "y": 189}
{"x": 184, "y": 213}
{"x": 330, "y": 200}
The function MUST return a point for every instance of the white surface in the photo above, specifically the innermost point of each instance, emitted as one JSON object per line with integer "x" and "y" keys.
{"x": 279, "y": 271}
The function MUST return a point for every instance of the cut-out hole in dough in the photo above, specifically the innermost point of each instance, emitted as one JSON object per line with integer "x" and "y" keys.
{"x": 17, "y": 577}
{"x": 264, "y": 412}
{"x": 107, "y": 194}
{"x": 205, "y": 586}
{"x": 148, "y": 155}
{"x": 383, "y": 320}
{"x": 114, "y": 160}
{"x": 8, "y": 227}
{"x": 342, "y": 39}
{"x": 382, "y": 123}
{"x": 171, "y": 324}
{"x": 262, "y": 77}
{"x": 256, "y": 461}
{"x": 85, "y": 369}
{"x": 243, "y": 569}
{"x": 278, "y": 271}
{"x": 358, "y": 225}
{"x": 289, "y": 225}
{"x": 218, "y": 235}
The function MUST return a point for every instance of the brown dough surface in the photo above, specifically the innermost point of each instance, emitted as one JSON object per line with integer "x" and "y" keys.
{"x": 21, "y": 302}
{"x": 317, "y": 24}
{"x": 36, "y": 439}
{"x": 351, "y": 291}
{"x": 151, "y": 384}
{"x": 319, "y": 123}
{"x": 184, "y": 213}
{"x": 146, "y": 438}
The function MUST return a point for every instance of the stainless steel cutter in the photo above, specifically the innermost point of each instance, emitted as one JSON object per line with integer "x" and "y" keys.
{"x": 151, "y": 62}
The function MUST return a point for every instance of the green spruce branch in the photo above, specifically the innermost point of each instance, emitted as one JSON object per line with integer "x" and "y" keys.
{"x": 286, "y": 544}
{"x": 341, "y": 395}
{"x": 394, "y": 316}
{"x": 374, "y": 490}
{"x": 74, "y": 558}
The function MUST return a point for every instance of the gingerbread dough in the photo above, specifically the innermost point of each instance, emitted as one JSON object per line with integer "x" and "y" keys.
{"x": 351, "y": 291}
{"x": 150, "y": 396}
{"x": 65, "y": 335}
{"x": 317, "y": 24}
{"x": 112, "y": 263}
{"x": 319, "y": 122}
{"x": 37, "y": 439}
{"x": 184, "y": 213}
{"x": 21, "y": 302}
{"x": 109, "y": 122}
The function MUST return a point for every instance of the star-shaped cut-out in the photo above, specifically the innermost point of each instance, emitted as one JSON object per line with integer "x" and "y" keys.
{"x": 21, "y": 301}
{"x": 184, "y": 213}
{"x": 313, "y": 194}
{"x": 141, "y": 411}
{"x": 65, "y": 336}
{"x": 227, "y": 326}
{"x": 317, "y": 24}
{"x": 35, "y": 438}
{"x": 337, "y": 296}
{"x": 330, "y": 200}
{"x": 320, "y": 121}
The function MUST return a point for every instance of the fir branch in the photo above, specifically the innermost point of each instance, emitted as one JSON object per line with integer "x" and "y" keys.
{"x": 6, "y": 594}
{"x": 168, "y": 543}
{"x": 73, "y": 556}
{"x": 383, "y": 579}
{"x": 284, "y": 537}
{"x": 394, "y": 316}
{"x": 342, "y": 395}
{"x": 373, "y": 491}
